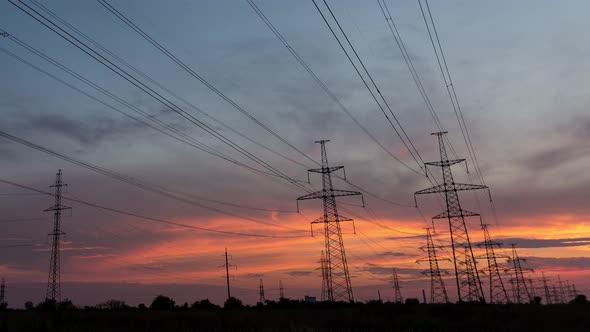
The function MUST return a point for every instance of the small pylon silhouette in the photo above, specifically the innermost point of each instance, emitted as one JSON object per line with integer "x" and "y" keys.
{"x": 556, "y": 295}
{"x": 498, "y": 292}
{"x": 468, "y": 286}
{"x": 438, "y": 292}
{"x": 546, "y": 290}
{"x": 54, "y": 278}
{"x": 261, "y": 299}
{"x": 397, "y": 291}
{"x": 520, "y": 291}
{"x": 561, "y": 289}
{"x": 281, "y": 290}
{"x": 2, "y": 293}
{"x": 338, "y": 282}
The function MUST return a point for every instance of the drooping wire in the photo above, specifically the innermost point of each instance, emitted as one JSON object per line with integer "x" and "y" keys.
{"x": 196, "y": 75}
{"x": 322, "y": 85}
{"x": 163, "y": 191}
{"x": 143, "y": 217}
{"x": 146, "y": 89}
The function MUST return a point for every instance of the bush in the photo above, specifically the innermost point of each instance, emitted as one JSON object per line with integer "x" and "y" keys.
{"x": 233, "y": 303}
{"x": 162, "y": 302}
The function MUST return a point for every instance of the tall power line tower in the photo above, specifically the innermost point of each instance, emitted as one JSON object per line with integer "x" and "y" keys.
{"x": 466, "y": 290}
{"x": 338, "y": 277}
{"x": 54, "y": 278}
{"x": 498, "y": 292}
{"x": 397, "y": 297}
{"x": 438, "y": 292}
{"x": 261, "y": 299}
{"x": 281, "y": 290}
{"x": 520, "y": 291}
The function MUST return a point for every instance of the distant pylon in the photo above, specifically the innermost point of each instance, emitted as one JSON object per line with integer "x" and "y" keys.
{"x": 546, "y": 290}
{"x": 281, "y": 290}
{"x": 438, "y": 292}
{"x": 466, "y": 289}
{"x": 54, "y": 278}
{"x": 497, "y": 290}
{"x": 261, "y": 288}
{"x": 470, "y": 283}
{"x": 575, "y": 290}
{"x": 338, "y": 285}
{"x": 397, "y": 298}
{"x": 561, "y": 289}
{"x": 324, "y": 272}
{"x": 227, "y": 266}
{"x": 520, "y": 290}
{"x": 2, "y": 293}
{"x": 556, "y": 297}
{"x": 570, "y": 291}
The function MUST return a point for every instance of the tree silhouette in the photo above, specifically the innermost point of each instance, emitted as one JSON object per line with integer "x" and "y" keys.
{"x": 162, "y": 302}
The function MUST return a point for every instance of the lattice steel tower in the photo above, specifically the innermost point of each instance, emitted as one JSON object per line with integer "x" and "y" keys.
{"x": 438, "y": 292}
{"x": 281, "y": 290}
{"x": 397, "y": 297}
{"x": 54, "y": 279}
{"x": 546, "y": 289}
{"x": 261, "y": 299}
{"x": 520, "y": 290}
{"x": 458, "y": 229}
{"x": 498, "y": 292}
{"x": 338, "y": 277}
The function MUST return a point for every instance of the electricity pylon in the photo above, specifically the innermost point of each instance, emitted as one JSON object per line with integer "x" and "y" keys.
{"x": 561, "y": 290}
{"x": 281, "y": 290}
{"x": 520, "y": 290}
{"x": 556, "y": 297}
{"x": 324, "y": 273}
{"x": 2, "y": 293}
{"x": 466, "y": 290}
{"x": 54, "y": 278}
{"x": 227, "y": 266}
{"x": 338, "y": 282}
{"x": 438, "y": 292}
{"x": 498, "y": 292}
{"x": 261, "y": 288}
{"x": 397, "y": 297}
{"x": 546, "y": 290}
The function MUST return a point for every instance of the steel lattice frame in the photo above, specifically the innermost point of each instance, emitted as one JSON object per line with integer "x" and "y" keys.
{"x": 468, "y": 282}
{"x": 438, "y": 291}
{"x": 338, "y": 278}
{"x": 520, "y": 290}
{"x": 54, "y": 278}
{"x": 498, "y": 292}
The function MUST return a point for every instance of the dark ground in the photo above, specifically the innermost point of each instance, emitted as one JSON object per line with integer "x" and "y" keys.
{"x": 378, "y": 317}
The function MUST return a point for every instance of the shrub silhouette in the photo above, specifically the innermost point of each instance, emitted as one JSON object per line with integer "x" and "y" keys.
{"x": 233, "y": 303}
{"x": 162, "y": 302}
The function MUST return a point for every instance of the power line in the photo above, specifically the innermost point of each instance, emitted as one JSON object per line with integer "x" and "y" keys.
{"x": 139, "y": 216}
{"x": 450, "y": 86}
{"x": 182, "y": 197}
{"x": 196, "y": 75}
{"x": 159, "y": 85}
{"x": 146, "y": 89}
{"x": 413, "y": 152}
{"x": 184, "y": 138}
{"x": 314, "y": 76}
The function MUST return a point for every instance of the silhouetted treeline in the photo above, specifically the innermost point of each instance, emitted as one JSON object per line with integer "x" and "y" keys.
{"x": 164, "y": 314}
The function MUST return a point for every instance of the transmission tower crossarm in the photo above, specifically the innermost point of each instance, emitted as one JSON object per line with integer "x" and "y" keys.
{"x": 444, "y": 163}
{"x": 441, "y": 188}
{"x": 325, "y": 193}
{"x": 462, "y": 213}
{"x": 325, "y": 169}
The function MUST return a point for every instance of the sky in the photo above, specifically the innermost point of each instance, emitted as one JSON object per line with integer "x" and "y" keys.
{"x": 518, "y": 68}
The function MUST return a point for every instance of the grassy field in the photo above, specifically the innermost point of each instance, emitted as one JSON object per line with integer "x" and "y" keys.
{"x": 310, "y": 317}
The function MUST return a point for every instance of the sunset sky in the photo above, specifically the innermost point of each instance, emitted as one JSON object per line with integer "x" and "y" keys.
{"x": 520, "y": 70}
